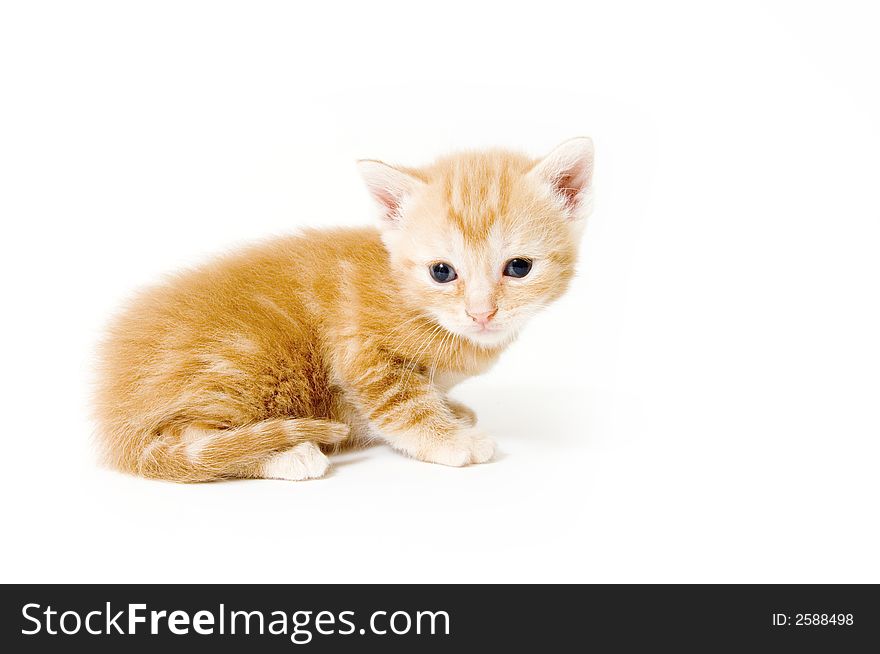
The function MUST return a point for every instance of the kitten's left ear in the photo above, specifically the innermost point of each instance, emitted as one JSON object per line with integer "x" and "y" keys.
{"x": 389, "y": 187}
{"x": 569, "y": 171}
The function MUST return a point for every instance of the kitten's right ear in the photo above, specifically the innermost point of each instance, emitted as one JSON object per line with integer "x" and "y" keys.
{"x": 388, "y": 186}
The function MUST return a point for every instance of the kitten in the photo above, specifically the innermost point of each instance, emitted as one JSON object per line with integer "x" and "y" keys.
{"x": 259, "y": 363}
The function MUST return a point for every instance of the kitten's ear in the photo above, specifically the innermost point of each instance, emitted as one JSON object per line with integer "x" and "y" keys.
{"x": 569, "y": 172}
{"x": 389, "y": 187}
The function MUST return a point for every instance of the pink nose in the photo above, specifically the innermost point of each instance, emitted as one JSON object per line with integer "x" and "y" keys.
{"x": 482, "y": 318}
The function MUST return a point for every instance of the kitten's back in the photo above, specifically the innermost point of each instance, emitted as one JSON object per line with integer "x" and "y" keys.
{"x": 231, "y": 342}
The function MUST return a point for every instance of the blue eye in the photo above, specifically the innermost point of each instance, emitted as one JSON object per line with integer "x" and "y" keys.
{"x": 442, "y": 272}
{"x": 517, "y": 267}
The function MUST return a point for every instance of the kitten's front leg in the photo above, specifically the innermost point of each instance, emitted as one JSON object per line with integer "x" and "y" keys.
{"x": 415, "y": 418}
{"x": 462, "y": 412}
{"x": 444, "y": 381}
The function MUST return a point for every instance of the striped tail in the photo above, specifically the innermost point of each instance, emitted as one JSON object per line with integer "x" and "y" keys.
{"x": 193, "y": 452}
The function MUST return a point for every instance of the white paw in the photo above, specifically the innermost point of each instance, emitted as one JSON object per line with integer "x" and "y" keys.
{"x": 482, "y": 447}
{"x": 469, "y": 445}
{"x": 304, "y": 461}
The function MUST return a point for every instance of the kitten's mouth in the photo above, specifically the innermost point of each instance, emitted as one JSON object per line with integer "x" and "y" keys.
{"x": 487, "y": 334}
{"x": 485, "y": 329}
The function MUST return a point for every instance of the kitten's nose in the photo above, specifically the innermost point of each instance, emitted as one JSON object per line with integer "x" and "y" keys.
{"x": 482, "y": 318}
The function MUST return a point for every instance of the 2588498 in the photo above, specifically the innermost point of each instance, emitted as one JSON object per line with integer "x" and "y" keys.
{"x": 822, "y": 619}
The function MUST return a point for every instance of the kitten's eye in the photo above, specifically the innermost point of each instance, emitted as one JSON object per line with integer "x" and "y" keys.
{"x": 442, "y": 272}
{"x": 517, "y": 267}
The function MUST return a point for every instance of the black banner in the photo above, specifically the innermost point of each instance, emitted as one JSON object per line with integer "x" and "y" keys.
{"x": 439, "y": 618}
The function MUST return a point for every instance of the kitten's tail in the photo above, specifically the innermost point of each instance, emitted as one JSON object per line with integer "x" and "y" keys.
{"x": 194, "y": 453}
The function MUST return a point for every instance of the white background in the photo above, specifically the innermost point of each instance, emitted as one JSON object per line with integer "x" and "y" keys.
{"x": 702, "y": 405}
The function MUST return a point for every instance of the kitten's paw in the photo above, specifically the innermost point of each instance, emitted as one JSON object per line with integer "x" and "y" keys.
{"x": 304, "y": 461}
{"x": 482, "y": 447}
{"x": 469, "y": 445}
{"x": 462, "y": 412}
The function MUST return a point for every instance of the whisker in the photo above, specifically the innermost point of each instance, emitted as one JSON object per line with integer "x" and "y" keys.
{"x": 415, "y": 360}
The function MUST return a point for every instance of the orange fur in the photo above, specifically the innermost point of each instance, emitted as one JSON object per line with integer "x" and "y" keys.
{"x": 340, "y": 336}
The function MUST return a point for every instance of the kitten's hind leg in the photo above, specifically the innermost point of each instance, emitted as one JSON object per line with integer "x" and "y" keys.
{"x": 305, "y": 461}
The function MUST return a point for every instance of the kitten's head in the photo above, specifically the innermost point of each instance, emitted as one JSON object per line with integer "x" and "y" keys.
{"x": 483, "y": 240}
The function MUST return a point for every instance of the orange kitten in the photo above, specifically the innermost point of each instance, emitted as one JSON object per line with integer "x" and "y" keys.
{"x": 258, "y": 363}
